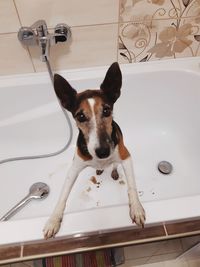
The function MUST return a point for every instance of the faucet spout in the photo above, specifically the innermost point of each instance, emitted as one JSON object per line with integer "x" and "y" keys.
{"x": 43, "y": 38}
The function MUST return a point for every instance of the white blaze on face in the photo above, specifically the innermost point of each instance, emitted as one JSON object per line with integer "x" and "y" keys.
{"x": 93, "y": 142}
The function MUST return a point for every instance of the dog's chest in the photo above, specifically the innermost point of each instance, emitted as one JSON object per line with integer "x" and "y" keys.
{"x": 104, "y": 163}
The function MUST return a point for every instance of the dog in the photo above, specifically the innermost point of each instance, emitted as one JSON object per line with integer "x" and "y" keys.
{"x": 100, "y": 141}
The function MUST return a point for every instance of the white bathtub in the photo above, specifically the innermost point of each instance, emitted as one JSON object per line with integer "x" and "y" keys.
{"x": 159, "y": 114}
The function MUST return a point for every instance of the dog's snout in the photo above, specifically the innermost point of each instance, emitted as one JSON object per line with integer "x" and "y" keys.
{"x": 103, "y": 152}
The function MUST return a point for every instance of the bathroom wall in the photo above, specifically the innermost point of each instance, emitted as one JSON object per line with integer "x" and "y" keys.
{"x": 103, "y": 31}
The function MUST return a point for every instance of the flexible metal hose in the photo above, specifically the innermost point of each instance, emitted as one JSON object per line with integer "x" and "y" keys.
{"x": 53, "y": 153}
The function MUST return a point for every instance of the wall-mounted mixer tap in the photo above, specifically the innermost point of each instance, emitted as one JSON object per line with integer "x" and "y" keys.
{"x": 38, "y": 34}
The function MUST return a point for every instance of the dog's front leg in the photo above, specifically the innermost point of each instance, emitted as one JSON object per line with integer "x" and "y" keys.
{"x": 53, "y": 224}
{"x": 137, "y": 212}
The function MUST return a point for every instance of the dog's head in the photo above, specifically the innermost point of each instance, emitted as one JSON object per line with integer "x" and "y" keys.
{"x": 92, "y": 110}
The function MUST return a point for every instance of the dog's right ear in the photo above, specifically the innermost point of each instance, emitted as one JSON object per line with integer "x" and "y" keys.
{"x": 112, "y": 83}
{"x": 65, "y": 93}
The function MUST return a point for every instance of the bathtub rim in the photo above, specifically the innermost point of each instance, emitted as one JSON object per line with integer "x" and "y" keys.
{"x": 188, "y": 65}
{"x": 92, "y": 221}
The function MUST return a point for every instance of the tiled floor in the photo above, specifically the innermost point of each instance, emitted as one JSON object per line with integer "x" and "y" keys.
{"x": 171, "y": 263}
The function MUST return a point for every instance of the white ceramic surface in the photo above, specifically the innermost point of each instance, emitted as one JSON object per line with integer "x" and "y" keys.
{"x": 159, "y": 114}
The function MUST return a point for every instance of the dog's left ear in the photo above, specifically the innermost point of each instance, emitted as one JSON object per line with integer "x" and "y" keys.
{"x": 112, "y": 82}
{"x": 65, "y": 92}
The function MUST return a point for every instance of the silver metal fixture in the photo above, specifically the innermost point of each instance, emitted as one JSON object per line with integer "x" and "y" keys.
{"x": 165, "y": 167}
{"x": 36, "y": 191}
{"x": 38, "y": 34}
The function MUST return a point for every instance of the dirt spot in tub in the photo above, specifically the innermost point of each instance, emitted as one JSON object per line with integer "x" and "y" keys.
{"x": 93, "y": 179}
{"x": 98, "y": 184}
{"x": 88, "y": 189}
{"x": 98, "y": 203}
{"x": 99, "y": 172}
{"x": 122, "y": 182}
{"x": 140, "y": 193}
{"x": 152, "y": 191}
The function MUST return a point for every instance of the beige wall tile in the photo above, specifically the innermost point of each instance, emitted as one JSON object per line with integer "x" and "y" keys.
{"x": 159, "y": 39}
{"x": 158, "y": 9}
{"x": 13, "y": 57}
{"x": 74, "y": 13}
{"x": 90, "y": 46}
{"x": 9, "y": 18}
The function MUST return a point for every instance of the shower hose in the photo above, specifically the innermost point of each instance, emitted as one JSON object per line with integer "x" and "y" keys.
{"x": 53, "y": 153}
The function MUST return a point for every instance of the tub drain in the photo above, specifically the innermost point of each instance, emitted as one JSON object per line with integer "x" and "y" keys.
{"x": 165, "y": 167}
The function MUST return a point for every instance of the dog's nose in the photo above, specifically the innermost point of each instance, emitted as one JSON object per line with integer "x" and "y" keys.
{"x": 102, "y": 152}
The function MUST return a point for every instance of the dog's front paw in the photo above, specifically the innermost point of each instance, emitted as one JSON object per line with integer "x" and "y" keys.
{"x": 52, "y": 227}
{"x": 137, "y": 214}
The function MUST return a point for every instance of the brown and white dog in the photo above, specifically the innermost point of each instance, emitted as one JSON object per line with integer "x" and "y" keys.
{"x": 100, "y": 141}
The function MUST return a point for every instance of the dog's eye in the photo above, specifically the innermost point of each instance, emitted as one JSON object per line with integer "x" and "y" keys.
{"x": 106, "y": 111}
{"x": 81, "y": 117}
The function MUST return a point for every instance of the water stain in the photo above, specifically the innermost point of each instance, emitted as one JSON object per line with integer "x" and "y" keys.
{"x": 84, "y": 196}
{"x": 57, "y": 169}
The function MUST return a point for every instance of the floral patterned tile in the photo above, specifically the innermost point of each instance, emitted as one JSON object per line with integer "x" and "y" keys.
{"x": 159, "y": 39}
{"x": 137, "y": 10}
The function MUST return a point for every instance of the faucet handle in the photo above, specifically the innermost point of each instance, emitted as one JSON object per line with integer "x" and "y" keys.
{"x": 62, "y": 33}
{"x": 27, "y": 36}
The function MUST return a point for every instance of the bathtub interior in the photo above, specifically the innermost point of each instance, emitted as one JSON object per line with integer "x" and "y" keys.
{"x": 158, "y": 114}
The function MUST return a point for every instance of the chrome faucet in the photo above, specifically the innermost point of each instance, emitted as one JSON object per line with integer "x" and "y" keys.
{"x": 38, "y": 34}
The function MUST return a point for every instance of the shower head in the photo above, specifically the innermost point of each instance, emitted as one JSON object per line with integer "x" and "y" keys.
{"x": 39, "y": 190}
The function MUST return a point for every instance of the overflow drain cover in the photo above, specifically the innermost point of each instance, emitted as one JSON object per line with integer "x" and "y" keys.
{"x": 165, "y": 167}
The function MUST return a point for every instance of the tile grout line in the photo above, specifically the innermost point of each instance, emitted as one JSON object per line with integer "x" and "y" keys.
{"x": 76, "y": 26}
{"x": 31, "y": 59}
{"x": 102, "y": 24}
{"x": 142, "y": 21}
{"x": 22, "y": 251}
{"x": 17, "y": 12}
{"x": 165, "y": 229}
{"x": 34, "y": 69}
{"x": 118, "y": 30}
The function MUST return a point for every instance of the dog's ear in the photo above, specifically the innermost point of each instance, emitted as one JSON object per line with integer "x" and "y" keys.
{"x": 112, "y": 82}
{"x": 65, "y": 93}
